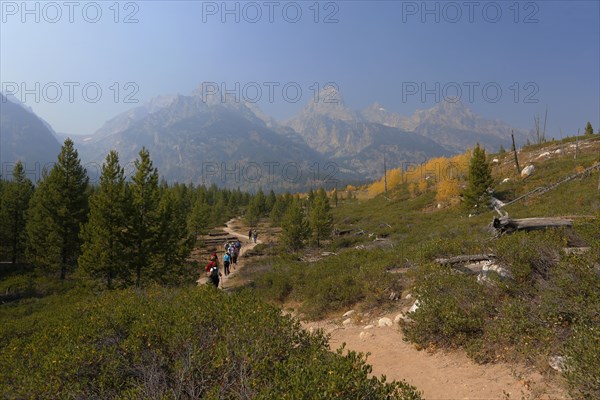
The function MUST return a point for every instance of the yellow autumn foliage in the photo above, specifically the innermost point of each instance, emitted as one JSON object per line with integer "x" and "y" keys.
{"x": 441, "y": 174}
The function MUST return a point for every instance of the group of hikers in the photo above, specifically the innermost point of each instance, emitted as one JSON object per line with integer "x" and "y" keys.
{"x": 232, "y": 251}
{"x": 252, "y": 234}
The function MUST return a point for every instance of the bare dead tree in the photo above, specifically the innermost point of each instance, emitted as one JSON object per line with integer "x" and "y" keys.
{"x": 512, "y": 135}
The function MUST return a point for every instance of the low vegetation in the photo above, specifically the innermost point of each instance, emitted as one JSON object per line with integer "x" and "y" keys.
{"x": 92, "y": 334}
{"x": 174, "y": 343}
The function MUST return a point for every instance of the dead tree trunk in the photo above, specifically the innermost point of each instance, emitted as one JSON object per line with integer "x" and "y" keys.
{"x": 465, "y": 259}
{"x": 509, "y": 225}
{"x": 515, "y": 153}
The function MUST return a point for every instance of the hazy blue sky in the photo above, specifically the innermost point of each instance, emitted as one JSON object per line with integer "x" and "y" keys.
{"x": 540, "y": 53}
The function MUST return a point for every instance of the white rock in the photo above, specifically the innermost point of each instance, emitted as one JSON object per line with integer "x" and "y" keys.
{"x": 348, "y": 313}
{"x": 505, "y": 180}
{"x": 408, "y": 296}
{"x": 495, "y": 161}
{"x": 557, "y": 363}
{"x": 385, "y": 321}
{"x": 483, "y": 279}
{"x": 439, "y": 205}
{"x": 365, "y": 335}
{"x": 400, "y": 317}
{"x": 558, "y": 151}
{"x": 369, "y": 327}
{"x": 415, "y": 306}
{"x": 347, "y": 322}
{"x": 500, "y": 270}
{"x": 528, "y": 170}
{"x": 496, "y": 203}
{"x": 544, "y": 154}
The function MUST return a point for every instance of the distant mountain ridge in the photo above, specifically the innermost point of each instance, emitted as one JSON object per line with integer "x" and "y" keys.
{"x": 451, "y": 124}
{"x": 25, "y": 137}
{"x": 208, "y": 139}
{"x": 191, "y": 140}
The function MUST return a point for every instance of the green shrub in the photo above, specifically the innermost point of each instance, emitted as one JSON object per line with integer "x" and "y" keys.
{"x": 331, "y": 284}
{"x": 453, "y": 308}
{"x": 166, "y": 343}
{"x": 530, "y": 255}
{"x": 583, "y": 361}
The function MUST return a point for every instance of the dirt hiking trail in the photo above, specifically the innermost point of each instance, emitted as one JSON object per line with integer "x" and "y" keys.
{"x": 442, "y": 375}
{"x": 246, "y": 245}
{"x": 439, "y": 375}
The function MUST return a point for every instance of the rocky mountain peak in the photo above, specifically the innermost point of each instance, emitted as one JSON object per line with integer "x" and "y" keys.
{"x": 328, "y": 103}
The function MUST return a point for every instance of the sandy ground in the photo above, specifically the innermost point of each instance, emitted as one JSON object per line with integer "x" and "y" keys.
{"x": 439, "y": 375}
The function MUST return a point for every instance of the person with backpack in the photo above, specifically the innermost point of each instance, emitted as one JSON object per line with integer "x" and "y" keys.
{"x": 212, "y": 270}
{"x": 255, "y": 235}
{"x": 250, "y": 234}
{"x": 234, "y": 257}
{"x": 226, "y": 262}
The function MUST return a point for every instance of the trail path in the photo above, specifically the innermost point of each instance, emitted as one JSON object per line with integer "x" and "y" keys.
{"x": 441, "y": 375}
{"x": 246, "y": 245}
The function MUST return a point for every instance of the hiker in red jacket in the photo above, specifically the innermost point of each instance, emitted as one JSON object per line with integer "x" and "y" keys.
{"x": 213, "y": 261}
{"x": 212, "y": 270}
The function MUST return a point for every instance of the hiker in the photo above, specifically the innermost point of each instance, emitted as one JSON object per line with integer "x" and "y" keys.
{"x": 226, "y": 262}
{"x": 212, "y": 270}
{"x": 250, "y": 234}
{"x": 227, "y": 246}
{"x": 238, "y": 244}
{"x": 213, "y": 260}
{"x": 234, "y": 256}
{"x": 255, "y": 235}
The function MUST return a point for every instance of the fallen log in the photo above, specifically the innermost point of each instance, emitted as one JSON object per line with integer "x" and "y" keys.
{"x": 509, "y": 225}
{"x": 342, "y": 232}
{"x": 218, "y": 233}
{"x": 465, "y": 259}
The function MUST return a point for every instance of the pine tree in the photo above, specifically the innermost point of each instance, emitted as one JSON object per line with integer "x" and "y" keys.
{"x": 143, "y": 230}
{"x": 15, "y": 202}
{"x": 255, "y": 209}
{"x": 295, "y": 230}
{"x": 310, "y": 199}
{"x": 261, "y": 202}
{"x": 334, "y": 198}
{"x": 58, "y": 209}
{"x": 219, "y": 213}
{"x": 270, "y": 201}
{"x": 199, "y": 218}
{"x": 105, "y": 247}
{"x": 588, "y": 129}
{"x": 321, "y": 220}
{"x": 174, "y": 243}
{"x": 278, "y": 210}
{"x": 480, "y": 179}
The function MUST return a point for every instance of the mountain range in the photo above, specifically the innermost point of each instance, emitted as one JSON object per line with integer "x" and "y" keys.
{"x": 192, "y": 138}
{"x": 26, "y": 137}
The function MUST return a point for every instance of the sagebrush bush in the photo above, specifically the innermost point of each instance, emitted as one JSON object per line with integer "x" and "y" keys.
{"x": 174, "y": 343}
{"x": 530, "y": 255}
{"x": 583, "y": 361}
{"x": 453, "y": 307}
{"x": 333, "y": 283}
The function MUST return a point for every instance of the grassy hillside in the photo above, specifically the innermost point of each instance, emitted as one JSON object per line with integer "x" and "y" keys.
{"x": 550, "y": 307}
